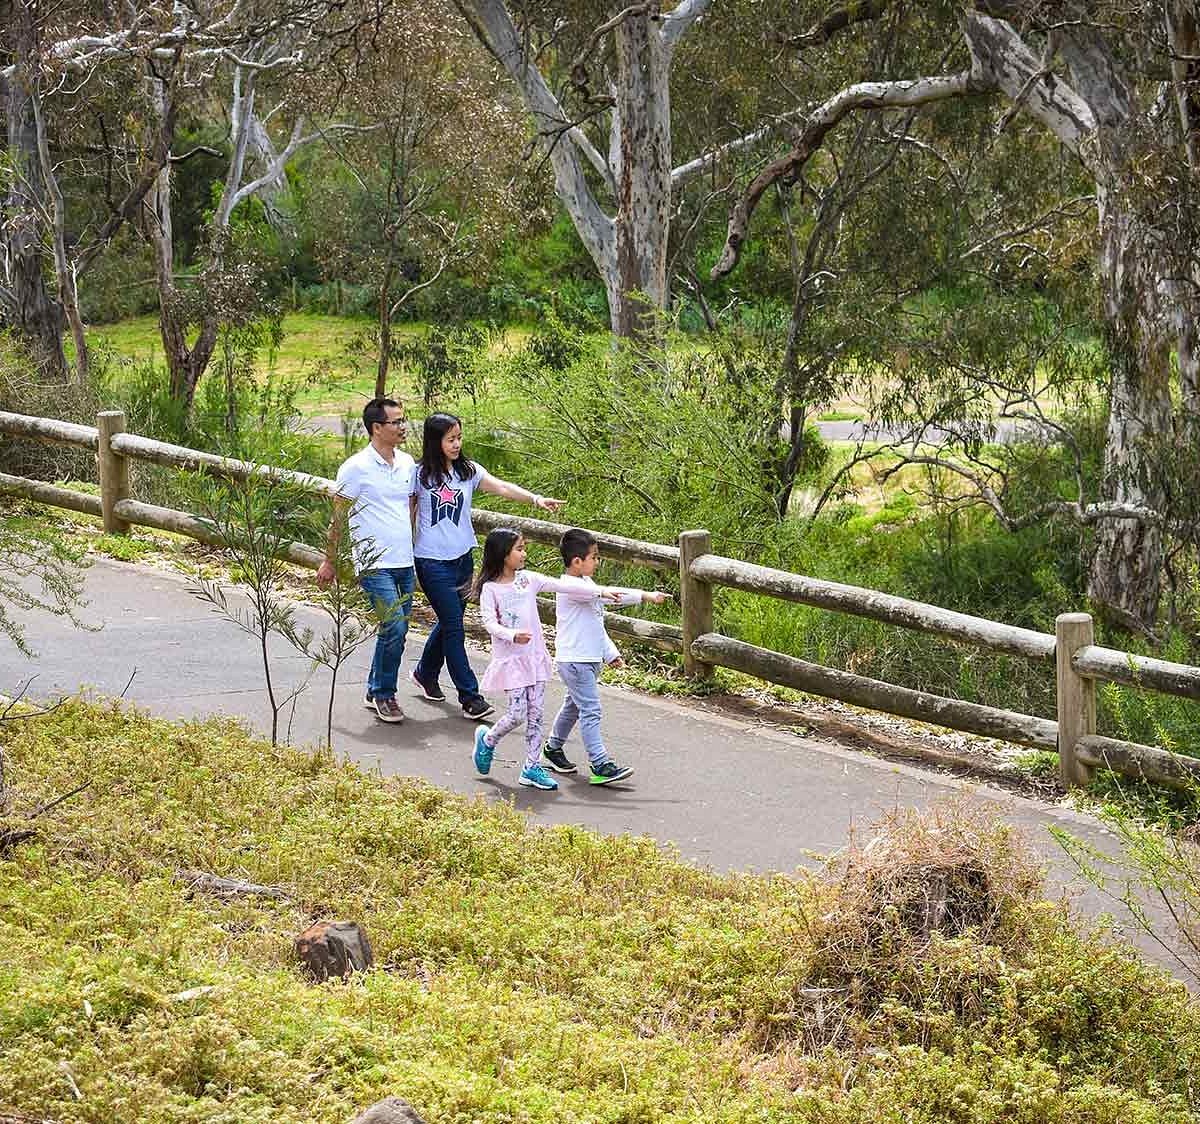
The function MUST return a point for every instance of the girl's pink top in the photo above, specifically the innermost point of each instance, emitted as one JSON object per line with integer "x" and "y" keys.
{"x": 511, "y": 607}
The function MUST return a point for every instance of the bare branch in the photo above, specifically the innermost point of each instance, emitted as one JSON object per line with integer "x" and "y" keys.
{"x": 493, "y": 26}
{"x": 578, "y": 69}
{"x": 594, "y": 158}
{"x": 1085, "y": 514}
{"x": 1004, "y": 62}
{"x": 864, "y": 95}
{"x": 685, "y": 173}
{"x": 680, "y": 20}
{"x": 837, "y": 20}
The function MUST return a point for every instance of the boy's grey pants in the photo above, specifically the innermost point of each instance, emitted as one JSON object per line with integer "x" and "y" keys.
{"x": 581, "y": 705}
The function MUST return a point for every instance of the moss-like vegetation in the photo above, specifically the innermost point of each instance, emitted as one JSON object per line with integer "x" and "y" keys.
{"x": 528, "y": 974}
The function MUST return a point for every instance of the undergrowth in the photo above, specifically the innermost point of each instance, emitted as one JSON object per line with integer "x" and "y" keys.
{"x": 529, "y": 974}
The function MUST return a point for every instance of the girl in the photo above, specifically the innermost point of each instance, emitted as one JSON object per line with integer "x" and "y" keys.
{"x": 507, "y": 594}
{"x": 444, "y": 486}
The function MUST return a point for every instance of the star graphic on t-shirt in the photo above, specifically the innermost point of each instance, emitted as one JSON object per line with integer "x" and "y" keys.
{"x": 445, "y": 503}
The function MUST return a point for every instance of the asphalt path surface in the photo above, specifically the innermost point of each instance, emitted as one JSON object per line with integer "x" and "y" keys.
{"x": 727, "y": 792}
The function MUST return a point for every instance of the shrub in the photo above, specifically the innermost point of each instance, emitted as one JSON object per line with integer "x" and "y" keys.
{"x": 540, "y": 975}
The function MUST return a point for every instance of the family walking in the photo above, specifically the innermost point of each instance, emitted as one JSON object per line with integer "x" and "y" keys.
{"x": 410, "y": 521}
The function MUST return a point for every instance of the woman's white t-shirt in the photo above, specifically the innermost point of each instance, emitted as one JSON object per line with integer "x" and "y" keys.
{"x": 444, "y": 529}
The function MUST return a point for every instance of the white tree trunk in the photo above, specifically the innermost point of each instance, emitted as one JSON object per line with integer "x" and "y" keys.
{"x": 643, "y": 179}
{"x": 629, "y": 249}
{"x": 1126, "y": 570}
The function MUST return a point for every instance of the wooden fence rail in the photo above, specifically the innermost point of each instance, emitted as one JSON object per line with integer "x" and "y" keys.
{"x": 1079, "y": 663}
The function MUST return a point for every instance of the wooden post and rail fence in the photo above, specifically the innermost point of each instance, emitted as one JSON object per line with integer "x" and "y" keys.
{"x": 1078, "y": 662}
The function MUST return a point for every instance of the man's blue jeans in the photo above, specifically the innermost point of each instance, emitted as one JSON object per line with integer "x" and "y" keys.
{"x": 390, "y": 591}
{"x": 445, "y": 583}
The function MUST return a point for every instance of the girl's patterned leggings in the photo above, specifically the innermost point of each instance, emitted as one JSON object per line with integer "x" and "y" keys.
{"x": 528, "y": 705}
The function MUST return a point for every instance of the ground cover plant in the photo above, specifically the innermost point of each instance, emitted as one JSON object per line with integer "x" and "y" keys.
{"x": 525, "y": 974}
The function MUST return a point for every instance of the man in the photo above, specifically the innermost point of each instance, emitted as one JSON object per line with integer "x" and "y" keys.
{"x": 373, "y": 494}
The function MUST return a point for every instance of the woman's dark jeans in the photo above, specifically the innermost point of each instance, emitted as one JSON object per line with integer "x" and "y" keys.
{"x": 445, "y": 583}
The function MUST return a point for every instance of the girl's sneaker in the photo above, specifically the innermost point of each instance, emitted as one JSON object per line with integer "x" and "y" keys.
{"x": 609, "y": 772}
{"x": 536, "y": 777}
{"x": 483, "y": 752}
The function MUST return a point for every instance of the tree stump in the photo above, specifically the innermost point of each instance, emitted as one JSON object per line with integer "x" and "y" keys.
{"x": 334, "y": 949}
{"x": 390, "y": 1110}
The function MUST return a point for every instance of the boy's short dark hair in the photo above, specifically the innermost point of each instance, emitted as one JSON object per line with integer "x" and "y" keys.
{"x": 575, "y": 543}
{"x": 375, "y": 413}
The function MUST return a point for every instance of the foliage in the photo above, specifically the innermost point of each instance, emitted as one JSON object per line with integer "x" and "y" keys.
{"x": 1159, "y": 862}
{"x": 23, "y": 391}
{"x": 1150, "y": 718}
{"x": 444, "y": 361}
{"x": 656, "y": 441}
{"x": 40, "y": 569}
{"x": 542, "y": 975}
{"x": 256, "y": 520}
{"x": 352, "y": 616}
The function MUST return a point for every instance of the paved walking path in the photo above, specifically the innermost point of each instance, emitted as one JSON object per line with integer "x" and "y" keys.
{"x": 726, "y": 792}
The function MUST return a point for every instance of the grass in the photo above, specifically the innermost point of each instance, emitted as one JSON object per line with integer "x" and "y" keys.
{"x": 524, "y": 974}
{"x": 325, "y": 352}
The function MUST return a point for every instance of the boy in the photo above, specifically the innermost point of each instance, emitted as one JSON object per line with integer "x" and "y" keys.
{"x": 581, "y": 650}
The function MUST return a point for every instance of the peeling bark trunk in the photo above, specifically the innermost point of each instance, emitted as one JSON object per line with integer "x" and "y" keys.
{"x": 1126, "y": 569}
{"x": 629, "y": 249}
{"x": 68, "y": 293}
{"x": 185, "y": 365}
{"x": 35, "y": 314}
{"x": 638, "y": 289}
{"x": 385, "y": 331}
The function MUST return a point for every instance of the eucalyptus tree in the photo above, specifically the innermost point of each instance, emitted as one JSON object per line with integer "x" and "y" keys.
{"x": 279, "y": 67}
{"x": 406, "y": 198}
{"x": 595, "y": 81}
{"x": 1118, "y": 87}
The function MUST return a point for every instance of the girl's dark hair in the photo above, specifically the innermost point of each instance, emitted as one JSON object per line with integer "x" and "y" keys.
{"x": 496, "y": 548}
{"x": 433, "y": 460}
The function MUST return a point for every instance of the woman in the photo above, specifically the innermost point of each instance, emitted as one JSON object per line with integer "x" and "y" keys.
{"x": 444, "y": 484}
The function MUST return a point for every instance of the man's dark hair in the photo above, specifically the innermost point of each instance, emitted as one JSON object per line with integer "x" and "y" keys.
{"x": 575, "y": 543}
{"x": 375, "y": 413}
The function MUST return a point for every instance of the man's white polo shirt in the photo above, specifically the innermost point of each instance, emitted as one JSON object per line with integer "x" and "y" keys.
{"x": 380, "y": 523}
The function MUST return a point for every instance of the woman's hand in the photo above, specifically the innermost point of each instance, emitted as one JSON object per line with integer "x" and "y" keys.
{"x": 548, "y": 503}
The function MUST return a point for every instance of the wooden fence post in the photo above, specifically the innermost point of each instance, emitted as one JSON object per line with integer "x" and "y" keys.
{"x": 1076, "y": 696}
{"x": 114, "y": 471}
{"x": 696, "y": 600}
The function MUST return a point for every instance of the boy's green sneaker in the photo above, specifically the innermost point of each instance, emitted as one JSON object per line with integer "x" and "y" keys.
{"x": 609, "y": 772}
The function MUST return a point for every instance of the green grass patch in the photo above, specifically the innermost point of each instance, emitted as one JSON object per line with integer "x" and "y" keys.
{"x": 334, "y": 356}
{"x": 525, "y": 974}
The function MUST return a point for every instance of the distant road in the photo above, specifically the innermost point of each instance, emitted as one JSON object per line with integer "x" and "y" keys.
{"x": 849, "y": 430}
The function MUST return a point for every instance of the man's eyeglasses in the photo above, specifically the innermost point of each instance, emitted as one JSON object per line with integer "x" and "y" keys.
{"x": 395, "y": 421}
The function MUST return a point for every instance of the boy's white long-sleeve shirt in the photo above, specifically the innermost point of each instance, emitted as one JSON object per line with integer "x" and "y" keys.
{"x": 579, "y": 622}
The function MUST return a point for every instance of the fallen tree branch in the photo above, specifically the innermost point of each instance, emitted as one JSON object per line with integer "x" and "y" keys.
{"x": 13, "y": 836}
{"x": 228, "y": 888}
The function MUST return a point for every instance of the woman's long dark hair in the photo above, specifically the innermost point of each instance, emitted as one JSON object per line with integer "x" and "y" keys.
{"x": 433, "y": 460}
{"x": 496, "y": 548}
